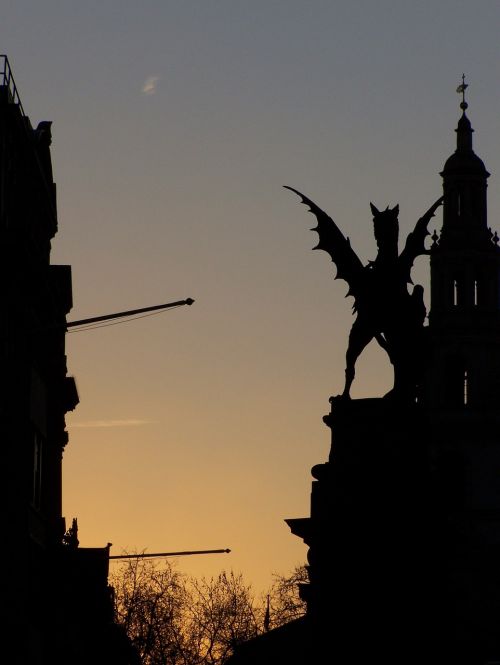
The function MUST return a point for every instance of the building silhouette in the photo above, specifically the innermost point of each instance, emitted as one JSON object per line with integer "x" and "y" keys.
{"x": 404, "y": 529}
{"x": 56, "y": 604}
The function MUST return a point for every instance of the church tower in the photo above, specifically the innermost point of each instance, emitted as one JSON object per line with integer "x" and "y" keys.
{"x": 462, "y": 398}
{"x": 465, "y": 286}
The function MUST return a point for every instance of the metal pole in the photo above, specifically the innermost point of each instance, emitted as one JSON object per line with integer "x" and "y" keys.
{"x": 157, "y": 554}
{"x": 130, "y": 312}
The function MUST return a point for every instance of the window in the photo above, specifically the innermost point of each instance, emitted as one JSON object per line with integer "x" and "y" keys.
{"x": 37, "y": 470}
{"x": 457, "y": 382}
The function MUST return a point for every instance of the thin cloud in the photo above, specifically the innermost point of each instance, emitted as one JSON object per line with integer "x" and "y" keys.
{"x": 149, "y": 87}
{"x": 131, "y": 422}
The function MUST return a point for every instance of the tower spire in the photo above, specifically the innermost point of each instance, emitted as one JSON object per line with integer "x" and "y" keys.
{"x": 461, "y": 90}
{"x": 464, "y": 129}
{"x": 464, "y": 184}
{"x": 465, "y": 265}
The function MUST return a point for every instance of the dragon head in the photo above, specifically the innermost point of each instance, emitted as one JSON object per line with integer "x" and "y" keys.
{"x": 386, "y": 229}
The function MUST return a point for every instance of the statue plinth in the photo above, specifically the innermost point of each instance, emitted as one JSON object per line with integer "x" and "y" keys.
{"x": 397, "y": 559}
{"x": 370, "y": 533}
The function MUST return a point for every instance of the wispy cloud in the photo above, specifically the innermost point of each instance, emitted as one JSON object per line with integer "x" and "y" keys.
{"x": 149, "y": 87}
{"x": 130, "y": 422}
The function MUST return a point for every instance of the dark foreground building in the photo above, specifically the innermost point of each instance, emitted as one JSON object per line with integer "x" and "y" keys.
{"x": 56, "y": 606}
{"x": 404, "y": 531}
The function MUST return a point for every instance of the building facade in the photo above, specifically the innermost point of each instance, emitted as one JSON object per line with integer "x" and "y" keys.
{"x": 56, "y": 604}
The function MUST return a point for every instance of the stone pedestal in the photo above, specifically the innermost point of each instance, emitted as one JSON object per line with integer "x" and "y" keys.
{"x": 393, "y": 572}
{"x": 370, "y": 533}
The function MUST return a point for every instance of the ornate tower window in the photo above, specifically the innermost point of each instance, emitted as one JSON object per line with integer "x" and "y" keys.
{"x": 455, "y": 293}
{"x": 458, "y": 295}
{"x": 457, "y": 382}
{"x": 37, "y": 470}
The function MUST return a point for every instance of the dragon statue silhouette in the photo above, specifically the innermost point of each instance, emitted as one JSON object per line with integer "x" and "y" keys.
{"x": 385, "y": 309}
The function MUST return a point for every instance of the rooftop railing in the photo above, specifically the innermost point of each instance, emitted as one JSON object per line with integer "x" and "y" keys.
{"x": 7, "y": 81}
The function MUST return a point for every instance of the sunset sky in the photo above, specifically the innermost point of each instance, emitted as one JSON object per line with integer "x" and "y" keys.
{"x": 175, "y": 125}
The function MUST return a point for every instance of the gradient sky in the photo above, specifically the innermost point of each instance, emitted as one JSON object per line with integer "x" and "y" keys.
{"x": 175, "y": 126}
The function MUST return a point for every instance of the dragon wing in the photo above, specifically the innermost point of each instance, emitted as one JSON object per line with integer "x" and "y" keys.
{"x": 414, "y": 245}
{"x": 333, "y": 241}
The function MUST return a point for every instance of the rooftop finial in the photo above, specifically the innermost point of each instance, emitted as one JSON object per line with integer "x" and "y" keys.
{"x": 461, "y": 89}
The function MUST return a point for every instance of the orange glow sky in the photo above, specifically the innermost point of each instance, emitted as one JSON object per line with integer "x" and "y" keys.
{"x": 175, "y": 126}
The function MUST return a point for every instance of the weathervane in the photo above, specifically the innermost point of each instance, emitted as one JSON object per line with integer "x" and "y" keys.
{"x": 461, "y": 89}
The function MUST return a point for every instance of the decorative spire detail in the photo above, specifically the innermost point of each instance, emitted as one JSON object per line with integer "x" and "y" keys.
{"x": 464, "y": 129}
{"x": 461, "y": 90}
